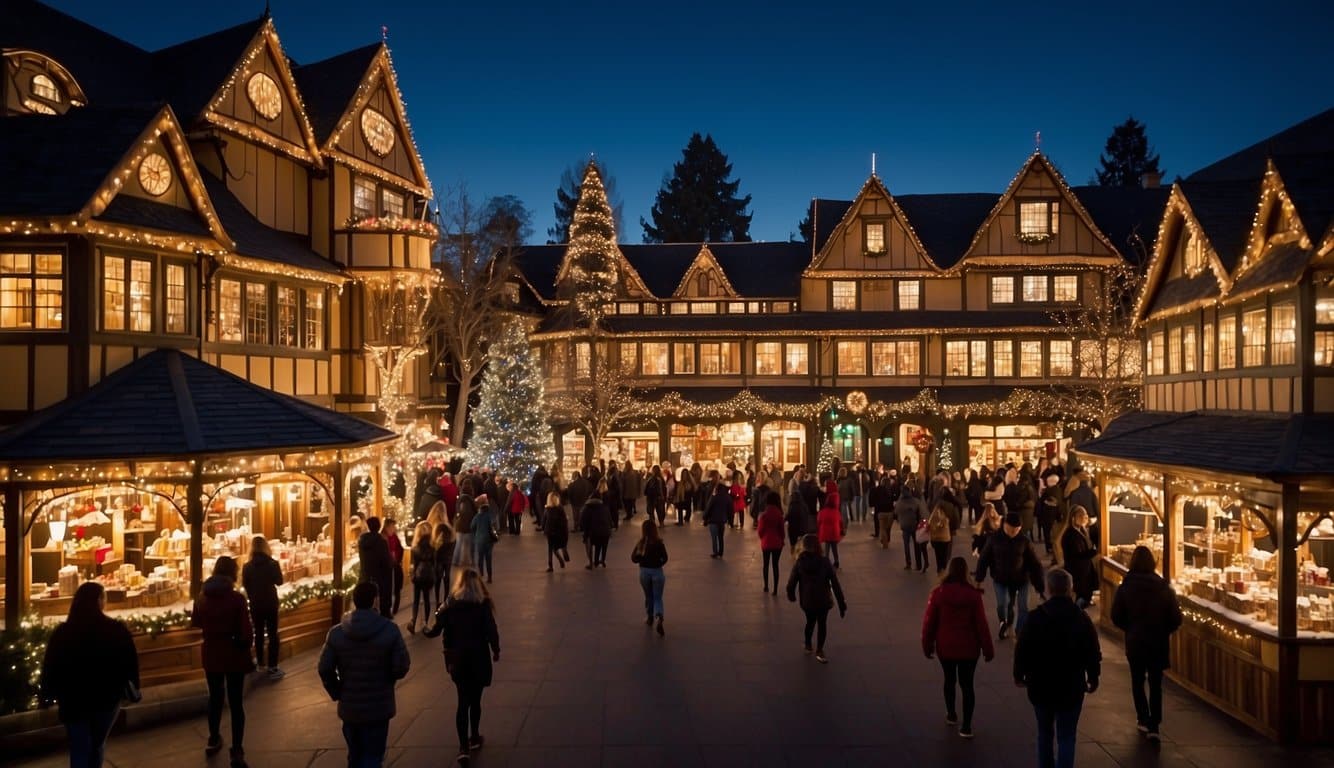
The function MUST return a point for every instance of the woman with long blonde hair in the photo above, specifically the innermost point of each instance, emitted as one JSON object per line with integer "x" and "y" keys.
{"x": 423, "y": 572}
{"x": 442, "y": 540}
{"x": 650, "y": 554}
{"x": 467, "y": 624}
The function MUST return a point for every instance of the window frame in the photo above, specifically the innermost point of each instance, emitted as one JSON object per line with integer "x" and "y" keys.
{"x": 1069, "y": 367}
{"x": 1289, "y": 346}
{"x": 692, "y": 357}
{"x": 1261, "y": 347}
{"x": 994, "y": 281}
{"x": 727, "y": 352}
{"x": 659, "y": 351}
{"x": 184, "y": 300}
{"x": 127, "y": 281}
{"x": 317, "y": 326}
{"x": 1044, "y": 280}
{"x": 899, "y": 285}
{"x": 1008, "y": 346}
{"x": 839, "y": 359}
{"x": 360, "y": 183}
{"x": 834, "y": 297}
{"x": 1052, "y": 292}
{"x": 28, "y": 283}
{"x": 1174, "y": 350}
{"x": 1025, "y": 346}
{"x": 788, "y": 348}
{"x": 772, "y": 350}
{"x": 882, "y": 223}
{"x": 389, "y": 193}
{"x": 633, "y": 348}
{"x": 1228, "y": 322}
{"x": 268, "y": 317}
{"x": 1051, "y": 219}
{"x": 1207, "y": 347}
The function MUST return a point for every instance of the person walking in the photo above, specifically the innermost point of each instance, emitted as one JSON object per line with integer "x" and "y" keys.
{"x": 90, "y": 666}
{"x": 829, "y": 523}
{"x": 223, "y": 618}
{"x": 686, "y": 491}
{"x": 797, "y": 517}
{"x": 813, "y": 578}
{"x": 650, "y": 554}
{"x": 1076, "y": 553}
{"x": 363, "y": 656}
{"x": 717, "y": 514}
{"x": 910, "y": 511}
{"x": 632, "y": 487}
{"x": 466, "y": 624}
{"x": 988, "y": 523}
{"x": 769, "y": 526}
{"x": 515, "y": 506}
{"x": 655, "y": 489}
{"x": 882, "y": 509}
{"x": 597, "y": 521}
{"x": 464, "y": 550}
{"x": 1051, "y": 509}
{"x": 377, "y": 563}
{"x": 556, "y": 527}
{"x": 1146, "y": 609}
{"x": 442, "y": 539}
{"x": 423, "y": 573}
{"x": 737, "y": 490}
{"x": 484, "y": 535}
{"x": 955, "y": 629}
{"x": 395, "y": 564}
{"x": 941, "y": 536}
{"x": 1058, "y": 659}
{"x": 1009, "y": 557}
{"x": 261, "y": 578}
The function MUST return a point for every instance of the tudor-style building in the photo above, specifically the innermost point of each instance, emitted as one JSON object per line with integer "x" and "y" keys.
{"x": 913, "y": 328}
{"x": 215, "y": 199}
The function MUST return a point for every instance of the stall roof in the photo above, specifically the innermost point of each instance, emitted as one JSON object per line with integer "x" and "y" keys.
{"x": 1272, "y": 446}
{"x": 168, "y": 405}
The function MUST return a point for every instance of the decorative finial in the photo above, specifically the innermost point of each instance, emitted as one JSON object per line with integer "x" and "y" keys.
{"x": 1037, "y": 141}
{"x": 872, "y": 163}
{"x": 266, "y": 9}
{"x": 384, "y": 33}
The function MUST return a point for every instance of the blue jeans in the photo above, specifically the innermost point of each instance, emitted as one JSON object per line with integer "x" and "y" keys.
{"x": 1058, "y": 724}
{"x": 861, "y": 507}
{"x": 845, "y": 511}
{"x": 716, "y": 536}
{"x": 366, "y": 743}
{"x": 88, "y": 737}
{"x": 653, "y": 581}
{"x": 484, "y": 566}
{"x": 1006, "y": 598}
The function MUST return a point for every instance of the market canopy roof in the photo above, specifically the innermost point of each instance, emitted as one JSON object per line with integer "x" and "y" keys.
{"x": 1267, "y": 446}
{"x": 168, "y": 405}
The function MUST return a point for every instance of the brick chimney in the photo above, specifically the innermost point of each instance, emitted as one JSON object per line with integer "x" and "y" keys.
{"x": 1151, "y": 180}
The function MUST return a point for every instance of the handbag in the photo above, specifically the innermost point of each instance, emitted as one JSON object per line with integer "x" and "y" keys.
{"x": 923, "y": 534}
{"x": 494, "y": 534}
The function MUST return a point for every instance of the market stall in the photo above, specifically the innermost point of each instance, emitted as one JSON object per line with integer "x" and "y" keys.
{"x": 1247, "y": 539}
{"x": 142, "y": 482}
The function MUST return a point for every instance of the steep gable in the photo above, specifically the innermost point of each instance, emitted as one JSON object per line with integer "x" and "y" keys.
{"x": 240, "y": 80}
{"x": 873, "y": 236}
{"x": 1185, "y": 269}
{"x": 372, "y": 134}
{"x": 1039, "y": 218}
{"x": 704, "y": 278}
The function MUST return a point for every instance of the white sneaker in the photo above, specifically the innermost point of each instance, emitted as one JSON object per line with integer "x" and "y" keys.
{"x": 276, "y": 674}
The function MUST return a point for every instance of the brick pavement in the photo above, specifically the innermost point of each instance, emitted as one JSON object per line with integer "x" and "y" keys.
{"x": 582, "y": 682}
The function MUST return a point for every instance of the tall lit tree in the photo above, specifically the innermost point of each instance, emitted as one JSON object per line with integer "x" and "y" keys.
{"x": 1107, "y": 350}
{"x": 824, "y": 462}
{"x": 510, "y": 430}
{"x": 699, "y": 202}
{"x": 594, "y": 268}
{"x": 567, "y": 198}
{"x": 1127, "y": 156}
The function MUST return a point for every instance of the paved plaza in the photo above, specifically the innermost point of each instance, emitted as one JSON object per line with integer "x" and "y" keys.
{"x": 582, "y": 682}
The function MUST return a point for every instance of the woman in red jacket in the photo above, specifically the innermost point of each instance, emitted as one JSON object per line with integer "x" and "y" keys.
{"x": 955, "y": 628}
{"x": 829, "y": 522}
{"x": 769, "y": 525}
{"x": 222, "y": 615}
{"x": 737, "y": 491}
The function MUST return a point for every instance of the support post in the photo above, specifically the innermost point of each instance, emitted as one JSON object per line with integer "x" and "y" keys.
{"x": 16, "y": 560}
{"x": 194, "y": 512}
{"x": 1289, "y": 714}
{"x": 757, "y": 447}
{"x": 339, "y": 533}
{"x": 1170, "y": 526}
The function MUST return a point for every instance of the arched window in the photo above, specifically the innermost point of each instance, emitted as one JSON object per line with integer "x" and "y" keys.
{"x": 45, "y": 88}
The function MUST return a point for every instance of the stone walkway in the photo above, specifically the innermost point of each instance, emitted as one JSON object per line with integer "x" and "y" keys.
{"x": 582, "y": 682}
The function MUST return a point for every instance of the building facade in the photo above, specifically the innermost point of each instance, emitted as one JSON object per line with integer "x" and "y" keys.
{"x": 917, "y": 329}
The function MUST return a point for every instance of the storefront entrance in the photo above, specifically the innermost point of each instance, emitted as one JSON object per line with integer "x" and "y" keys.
{"x": 993, "y": 446}
{"x": 783, "y": 444}
{"x": 714, "y": 447}
{"x": 640, "y": 448}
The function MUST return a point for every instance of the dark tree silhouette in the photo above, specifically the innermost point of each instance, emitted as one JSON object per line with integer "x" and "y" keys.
{"x": 1127, "y": 156}
{"x": 567, "y": 197}
{"x": 805, "y": 228}
{"x": 699, "y": 202}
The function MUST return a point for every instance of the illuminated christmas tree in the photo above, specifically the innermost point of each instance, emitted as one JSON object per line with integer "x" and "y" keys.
{"x": 825, "y": 462}
{"x": 510, "y": 431}
{"x": 592, "y": 252}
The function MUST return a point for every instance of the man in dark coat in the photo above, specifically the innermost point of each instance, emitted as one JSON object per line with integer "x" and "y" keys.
{"x": 577, "y": 493}
{"x": 362, "y": 659}
{"x": 1058, "y": 659}
{"x": 716, "y": 515}
{"x": 1009, "y": 556}
{"x": 377, "y": 565}
{"x": 1146, "y": 609}
{"x": 261, "y": 578}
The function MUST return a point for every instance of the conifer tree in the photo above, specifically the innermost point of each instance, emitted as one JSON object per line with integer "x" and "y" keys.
{"x": 827, "y": 458}
{"x": 592, "y": 253}
{"x": 567, "y": 197}
{"x": 510, "y": 431}
{"x": 699, "y": 203}
{"x": 1127, "y": 156}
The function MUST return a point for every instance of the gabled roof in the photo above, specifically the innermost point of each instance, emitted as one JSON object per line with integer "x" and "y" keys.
{"x": 1225, "y": 211}
{"x": 110, "y": 70}
{"x": 1309, "y": 182}
{"x": 825, "y": 216}
{"x": 138, "y": 212}
{"x": 660, "y": 265}
{"x": 872, "y": 184}
{"x": 329, "y": 86}
{"x": 168, "y": 405}
{"x": 704, "y": 261}
{"x": 257, "y": 240}
{"x": 53, "y": 165}
{"x": 1311, "y": 136}
{"x": 191, "y": 72}
{"x": 1183, "y": 292}
{"x": 945, "y": 222}
{"x": 763, "y": 269}
{"x": 1128, "y": 216}
{"x": 540, "y": 265}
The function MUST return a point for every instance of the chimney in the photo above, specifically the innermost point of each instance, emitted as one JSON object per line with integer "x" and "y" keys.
{"x": 1151, "y": 180}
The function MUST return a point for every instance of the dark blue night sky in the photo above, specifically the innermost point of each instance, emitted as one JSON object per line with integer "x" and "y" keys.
{"x": 505, "y": 95}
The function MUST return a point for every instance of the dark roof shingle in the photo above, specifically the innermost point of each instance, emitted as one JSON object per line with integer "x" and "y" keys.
{"x": 255, "y": 239}
{"x": 946, "y": 223}
{"x": 138, "y": 212}
{"x": 328, "y": 86}
{"x": 189, "y": 73}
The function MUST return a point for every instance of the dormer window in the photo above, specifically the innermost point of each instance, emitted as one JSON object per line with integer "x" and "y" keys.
{"x": 512, "y": 293}
{"x": 874, "y": 232}
{"x": 45, "y": 88}
{"x": 1039, "y": 220}
{"x": 1194, "y": 253}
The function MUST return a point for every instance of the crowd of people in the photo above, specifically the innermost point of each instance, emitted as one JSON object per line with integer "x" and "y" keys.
{"x": 1018, "y": 518}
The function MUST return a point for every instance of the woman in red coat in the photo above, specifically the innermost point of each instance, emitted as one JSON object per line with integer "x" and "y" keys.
{"x": 769, "y": 525}
{"x": 955, "y": 628}
{"x": 223, "y": 616}
{"x": 829, "y": 522}
{"x": 737, "y": 491}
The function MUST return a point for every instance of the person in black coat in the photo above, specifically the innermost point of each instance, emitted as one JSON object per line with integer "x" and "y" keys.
{"x": 716, "y": 515}
{"x": 261, "y": 578}
{"x": 1077, "y": 553}
{"x": 556, "y": 526}
{"x": 1058, "y": 659}
{"x": 376, "y": 563}
{"x": 815, "y": 580}
{"x": 467, "y": 626}
{"x": 797, "y": 520}
{"x": 90, "y": 666}
{"x": 1146, "y": 609}
{"x": 1008, "y": 555}
{"x": 597, "y": 521}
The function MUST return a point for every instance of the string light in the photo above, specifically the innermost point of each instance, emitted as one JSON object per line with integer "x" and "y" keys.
{"x": 873, "y": 184}
{"x": 705, "y": 263}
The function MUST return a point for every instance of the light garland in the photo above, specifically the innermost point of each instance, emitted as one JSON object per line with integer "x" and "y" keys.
{"x": 872, "y": 184}
{"x": 592, "y": 253}
{"x": 705, "y": 261}
{"x": 389, "y": 223}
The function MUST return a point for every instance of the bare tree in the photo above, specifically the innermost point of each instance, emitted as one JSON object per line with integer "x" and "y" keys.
{"x": 608, "y": 398}
{"x": 1107, "y": 350}
{"x": 475, "y": 257}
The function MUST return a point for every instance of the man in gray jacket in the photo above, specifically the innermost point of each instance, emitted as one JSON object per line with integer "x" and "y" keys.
{"x": 362, "y": 659}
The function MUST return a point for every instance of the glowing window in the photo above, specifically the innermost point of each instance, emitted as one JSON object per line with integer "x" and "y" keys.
{"x": 44, "y": 87}
{"x": 1061, "y": 358}
{"x": 683, "y": 357}
{"x": 1254, "y": 334}
{"x": 1283, "y": 334}
{"x": 31, "y": 291}
{"x": 1065, "y": 288}
{"x": 851, "y": 358}
{"x": 176, "y": 318}
{"x": 1002, "y": 358}
{"x": 1002, "y": 289}
{"x": 844, "y": 295}
{"x": 795, "y": 361}
{"x": 910, "y": 294}
{"x": 653, "y": 358}
{"x": 1035, "y": 288}
{"x": 1030, "y": 359}
{"x": 875, "y": 237}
